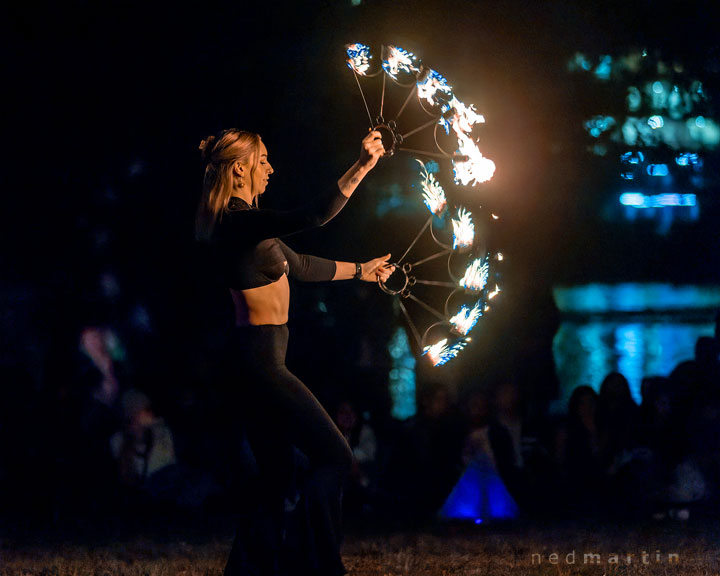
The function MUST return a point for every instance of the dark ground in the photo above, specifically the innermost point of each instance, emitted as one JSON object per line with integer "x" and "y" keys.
{"x": 431, "y": 550}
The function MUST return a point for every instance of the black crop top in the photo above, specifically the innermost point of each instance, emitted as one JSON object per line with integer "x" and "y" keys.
{"x": 252, "y": 255}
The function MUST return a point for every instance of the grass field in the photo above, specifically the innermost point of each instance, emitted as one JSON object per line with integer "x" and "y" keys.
{"x": 522, "y": 548}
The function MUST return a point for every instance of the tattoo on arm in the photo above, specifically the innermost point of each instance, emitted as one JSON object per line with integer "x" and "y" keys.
{"x": 354, "y": 180}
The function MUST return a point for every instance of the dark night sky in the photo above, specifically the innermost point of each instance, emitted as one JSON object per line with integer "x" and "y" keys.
{"x": 108, "y": 102}
{"x": 95, "y": 87}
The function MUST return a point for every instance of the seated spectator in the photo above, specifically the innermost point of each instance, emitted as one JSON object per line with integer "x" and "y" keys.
{"x": 99, "y": 345}
{"x": 476, "y": 443}
{"x": 144, "y": 450}
{"x": 481, "y": 494}
{"x": 618, "y": 418}
{"x": 424, "y": 459}
{"x": 508, "y": 440}
{"x": 623, "y": 458}
{"x": 674, "y": 480}
{"x": 582, "y": 451}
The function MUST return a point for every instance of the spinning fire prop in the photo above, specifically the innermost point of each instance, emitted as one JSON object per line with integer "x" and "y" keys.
{"x": 436, "y": 97}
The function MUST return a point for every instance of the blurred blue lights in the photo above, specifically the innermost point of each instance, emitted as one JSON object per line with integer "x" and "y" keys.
{"x": 629, "y": 160}
{"x": 604, "y": 67}
{"x": 632, "y": 157}
{"x": 634, "y": 99}
{"x": 580, "y": 61}
{"x": 685, "y": 159}
{"x": 599, "y": 124}
{"x": 670, "y": 200}
{"x": 663, "y": 109}
{"x": 656, "y": 122}
{"x": 586, "y": 352}
{"x": 688, "y": 159}
{"x": 479, "y": 495}
{"x": 657, "y": 170}
{"x": 637, "y": 329}
{"x": 432, "y": 167}
{"x": 634, "y": 297}
{"x": 402, "y": 376}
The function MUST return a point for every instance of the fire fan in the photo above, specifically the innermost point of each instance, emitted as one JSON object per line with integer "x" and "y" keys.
{"x": 471, "y": 269}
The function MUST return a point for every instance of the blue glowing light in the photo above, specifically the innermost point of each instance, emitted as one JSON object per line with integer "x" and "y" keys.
{"x": 676, "y": 107}
{"x": 657, "y": 170}
{"x": 402, "y": 376}
{"x": 441, "y": 352}
{"x": 466, "y": 318}
{"x": 434, "y": 89}
{"x": 697, "y": 88}
{"x": 599, "y": 149}
{"x": 635, "y": 297}
{"x": 630, "y": 351}
{"x": 358, "y": 57}
{"x": 688, "y": 159}
{"x": 639, "y": 200}
{"x": 632, "y": 158}
{"x": 658, "y": 87}
{"x": 632, "y": 199}
{"x": 432, "y": 167}
{"x": 587, "y": 351}
{"x": 634, "y": 99}
{"x": 597, "y": 336}
{"x": 579, "y": 60}
{"x": 656, "y": 122}
{"x": 399, "y": 60}
{"x": 604, "y": 67}
{"x": 599, "y": 124}
{"x": 629, "y": 161}
{"x": 704, "y": 131}
{"x": 479, "y": 495}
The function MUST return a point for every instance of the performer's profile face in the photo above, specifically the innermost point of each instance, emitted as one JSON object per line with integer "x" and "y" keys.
{"x": 262, "y": 170}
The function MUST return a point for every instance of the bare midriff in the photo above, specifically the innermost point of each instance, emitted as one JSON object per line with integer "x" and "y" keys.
{"x": 267, "y": 304}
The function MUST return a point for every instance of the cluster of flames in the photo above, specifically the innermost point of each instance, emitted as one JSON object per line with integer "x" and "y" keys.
{"x": 433, "y": 193}
{"x": 470, "y": 167}
{"x": 433, "y": 88}
{"x": 440, "y": 352}
{"x": 476, "y": 275}
{"x": 463, "y": 229}
{"x": 463, "y": 322}
{"x": 436, "y": 201}
{"x": 399, "y": 60}
{"x": 358, "y": 58}
{"x": 466, "y": 318}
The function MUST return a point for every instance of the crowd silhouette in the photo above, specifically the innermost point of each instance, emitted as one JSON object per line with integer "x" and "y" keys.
{"x": 95, "y": 446}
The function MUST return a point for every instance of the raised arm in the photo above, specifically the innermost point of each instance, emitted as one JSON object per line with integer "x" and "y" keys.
{"x": 371, "y": 150}
{"x": 255, "y": 225}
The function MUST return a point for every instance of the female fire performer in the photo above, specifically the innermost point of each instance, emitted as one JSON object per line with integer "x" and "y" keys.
{"x": 279, "y": 413}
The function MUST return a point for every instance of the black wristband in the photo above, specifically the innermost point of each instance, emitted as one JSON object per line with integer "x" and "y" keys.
{"x": 358, "y": 271}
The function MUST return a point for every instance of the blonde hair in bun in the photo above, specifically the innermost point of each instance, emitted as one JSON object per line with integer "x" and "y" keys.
{"x": 220, "y": 152}
{"x": 206, "y": 147}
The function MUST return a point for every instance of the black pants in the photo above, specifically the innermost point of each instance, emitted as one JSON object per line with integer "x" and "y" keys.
{"x": 292, "y": 519}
